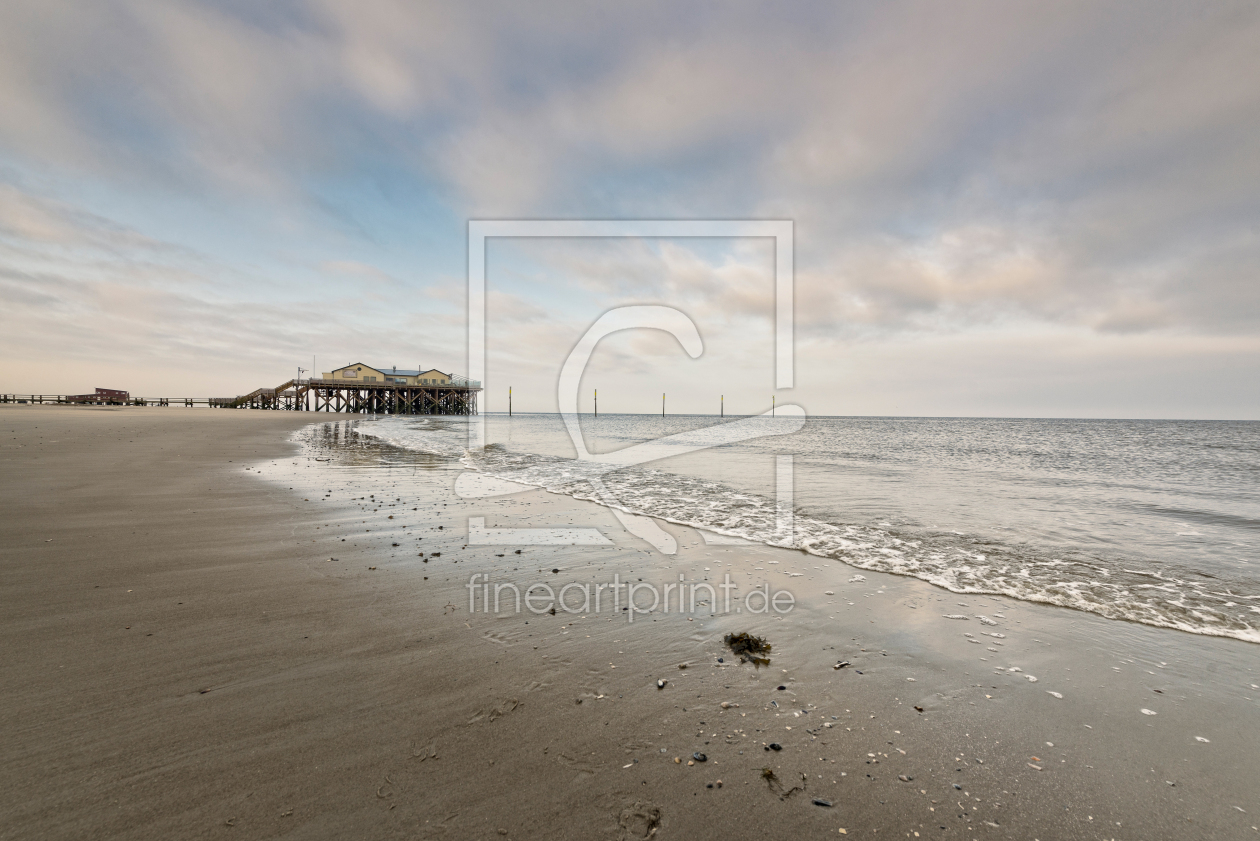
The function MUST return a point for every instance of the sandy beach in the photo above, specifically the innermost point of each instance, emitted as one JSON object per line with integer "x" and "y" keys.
{"x": 192, "y": 650}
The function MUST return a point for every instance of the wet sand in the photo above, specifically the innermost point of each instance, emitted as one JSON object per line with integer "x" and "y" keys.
{"x": 182, "y": 659}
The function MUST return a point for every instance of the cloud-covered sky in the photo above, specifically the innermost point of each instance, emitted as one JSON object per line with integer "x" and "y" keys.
{"x": 1000, "y": 208}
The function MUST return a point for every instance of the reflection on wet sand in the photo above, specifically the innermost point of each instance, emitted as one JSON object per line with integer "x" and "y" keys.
{"x": 341, "y": 444}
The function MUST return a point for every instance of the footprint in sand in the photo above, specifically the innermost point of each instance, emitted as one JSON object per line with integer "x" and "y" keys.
{"x": 498, "y": 637}
{"x": 499, "y": 710}
{"x": 639, "y": 821}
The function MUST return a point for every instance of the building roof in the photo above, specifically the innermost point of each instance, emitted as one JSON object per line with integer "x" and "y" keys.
{"x": 399, "y": 372}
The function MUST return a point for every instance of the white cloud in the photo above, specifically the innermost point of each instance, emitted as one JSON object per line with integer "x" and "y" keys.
{"x": 1078, "y": 171}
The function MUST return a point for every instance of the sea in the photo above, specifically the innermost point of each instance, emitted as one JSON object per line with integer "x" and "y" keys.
{"x": 1149, "y": 521}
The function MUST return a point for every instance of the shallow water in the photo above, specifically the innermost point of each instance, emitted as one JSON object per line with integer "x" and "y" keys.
{"x": 1150, "y": 521}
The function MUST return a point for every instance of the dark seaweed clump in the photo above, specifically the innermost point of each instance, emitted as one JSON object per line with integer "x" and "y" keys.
{"x": 748, "y": 648}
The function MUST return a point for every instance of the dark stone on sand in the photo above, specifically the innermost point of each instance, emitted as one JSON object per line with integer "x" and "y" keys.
{"x": 699, "y": 757}
{"x": 781, "y": 688}
{"x": 776, "y": 746}
{"x": 818, "y": 801}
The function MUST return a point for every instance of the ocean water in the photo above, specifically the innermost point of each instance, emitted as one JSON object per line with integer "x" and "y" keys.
{"x": 1147, "y": 521}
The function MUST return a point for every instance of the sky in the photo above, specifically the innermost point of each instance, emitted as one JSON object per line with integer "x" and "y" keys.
{"x": 1000, "y": 208}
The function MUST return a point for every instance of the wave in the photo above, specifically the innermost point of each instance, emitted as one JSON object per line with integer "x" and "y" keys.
{"x": 1112, "y": 588}
{"x": 954, "y": 562}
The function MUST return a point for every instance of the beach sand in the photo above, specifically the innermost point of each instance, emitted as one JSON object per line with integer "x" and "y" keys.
{"x": 182, "y": 659}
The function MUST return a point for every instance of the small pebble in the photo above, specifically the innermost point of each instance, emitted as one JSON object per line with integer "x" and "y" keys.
{"x": 699, "y": 757}
{"x": 818, "y": 801}
{"x": 781, "y": 688}
{"x": 776, "y": 746}
{"x": 660, "y": 684}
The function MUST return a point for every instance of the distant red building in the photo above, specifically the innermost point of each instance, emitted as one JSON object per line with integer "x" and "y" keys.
{"x": 108, "y": 396}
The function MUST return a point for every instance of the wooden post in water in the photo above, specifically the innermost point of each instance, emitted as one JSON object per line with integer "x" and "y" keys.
{"x": 662, "y": 404}
{"x": 771, "y": 405}
{"x": 597, "y": 402}
{"x": 509, "y": 401}
{"x": 722, "y": 410}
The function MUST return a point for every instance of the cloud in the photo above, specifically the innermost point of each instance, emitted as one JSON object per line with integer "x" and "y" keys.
{"x": 39, "y": 221}
{"x": 953, "y": 171}
{"x": 363, "y": 271}
{"x": 84, "y": 292}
